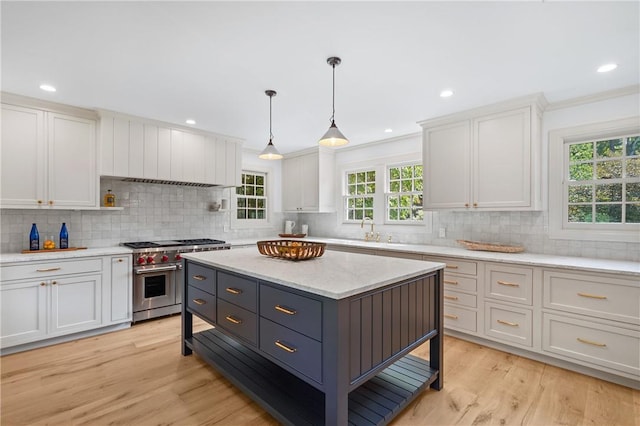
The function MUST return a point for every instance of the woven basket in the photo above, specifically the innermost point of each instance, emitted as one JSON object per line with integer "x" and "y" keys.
{"x": 290, "y": 249}
{"x": 502, "y": 248}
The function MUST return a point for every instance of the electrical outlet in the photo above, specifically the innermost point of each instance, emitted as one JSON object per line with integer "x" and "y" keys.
{"x": 442, "y": 233}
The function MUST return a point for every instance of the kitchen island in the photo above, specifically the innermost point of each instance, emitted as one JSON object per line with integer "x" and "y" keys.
{"x": 321, "y": 341}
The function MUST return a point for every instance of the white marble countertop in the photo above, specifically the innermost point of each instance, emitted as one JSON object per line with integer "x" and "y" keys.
{"x": 624, "y": 267}
{"x": 57, "y": 255}
{"x": 335, "y": 274}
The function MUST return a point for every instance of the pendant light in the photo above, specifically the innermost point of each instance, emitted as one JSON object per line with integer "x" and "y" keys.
{"x": 333, "y": 137}
{"x": 270, "y": 152}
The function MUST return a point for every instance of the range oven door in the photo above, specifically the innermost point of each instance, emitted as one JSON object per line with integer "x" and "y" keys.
{"x": 154, "y": 287}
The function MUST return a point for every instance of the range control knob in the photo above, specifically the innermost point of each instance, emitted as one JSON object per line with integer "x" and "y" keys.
{"x": 150, "y": 259}
{"x": 141, "y": 260}
{"x": 164, "y": 258}
{"x": 178, "y": 257}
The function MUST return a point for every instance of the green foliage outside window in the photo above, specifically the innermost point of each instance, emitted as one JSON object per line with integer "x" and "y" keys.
{"x": 251, "y": 197}
{"x": 361, "y": 187}
{"x": 404, "y": 200}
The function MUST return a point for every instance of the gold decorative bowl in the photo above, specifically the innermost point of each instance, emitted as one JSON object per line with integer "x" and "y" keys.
{"x": 291, "y": 249}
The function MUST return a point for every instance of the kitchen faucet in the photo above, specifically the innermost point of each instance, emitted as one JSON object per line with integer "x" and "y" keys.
{"x": 369, "y": 236}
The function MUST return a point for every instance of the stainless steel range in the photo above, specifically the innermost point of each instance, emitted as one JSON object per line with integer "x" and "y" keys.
{"x": 157, "y": 282}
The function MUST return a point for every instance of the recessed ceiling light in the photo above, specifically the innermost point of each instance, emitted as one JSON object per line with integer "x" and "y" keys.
{"x": 388, "y": 130}
{"x": 446, "y": 93}
{"x": 190, "y": 121}
{"x": 47, "y": 88}
{"x": 607, "y": 67}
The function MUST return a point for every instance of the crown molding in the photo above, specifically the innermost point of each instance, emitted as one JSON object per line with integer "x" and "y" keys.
{"x": 596, "y": 97}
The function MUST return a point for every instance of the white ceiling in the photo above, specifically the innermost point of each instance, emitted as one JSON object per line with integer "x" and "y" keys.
{"x": 212, "y": 61}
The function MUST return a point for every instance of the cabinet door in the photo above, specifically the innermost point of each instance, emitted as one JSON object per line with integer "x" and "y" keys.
{"x": 76, "y": 304}
{"x": 447, "y": 159}
{"x": 150, "y": 157}
{"x": 136, "y": 149}
{"x": 120, "y": 147}
{"x": 310, "y": 191}
{"x": 291, "y": 184}
{"x": 193, "y": 161}
{"x": 233, "y": 175}
{"x": 23, "y": 154}
{"x": 164, "y": 153}
{"x": 121, "y": 289}
{"x": 220, "y": 155}
{"x": 24, "y": 310}
{"x": 177, "y": 155}
{"x": 502, "y": 160}
{"x": 72, "y": 174}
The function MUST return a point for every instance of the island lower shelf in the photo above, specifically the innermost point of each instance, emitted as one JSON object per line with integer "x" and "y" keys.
{"x": 293, "y": 401}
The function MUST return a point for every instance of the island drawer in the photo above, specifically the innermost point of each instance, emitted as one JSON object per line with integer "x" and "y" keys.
{"x": 238, "y": 321}
{"x": 459, "y": 318}
{"x": 509, "y": 324}
{"x": 509, "y": 283}
{"x": 45, "y": 270}
{"x": 456, "y": 266}
{"x": 202, "y": 303}
{"x": 296, "y": 312}
{"x": 460, "y": 283}
{"x": 201, "y": 277}
{"x": 238, "y": 290}
{"x": 293, "y": 349}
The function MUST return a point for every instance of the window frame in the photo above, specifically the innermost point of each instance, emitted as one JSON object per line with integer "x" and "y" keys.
{"x": 252, "y": 223}
{"x": 346, "y": 196}
{"x": 412, "y": 193}
{"x": 559, "y": 141}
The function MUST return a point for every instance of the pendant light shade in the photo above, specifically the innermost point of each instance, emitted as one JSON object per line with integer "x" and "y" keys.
{"x": 270, "y": 152}
{"x": 333, "y": 136}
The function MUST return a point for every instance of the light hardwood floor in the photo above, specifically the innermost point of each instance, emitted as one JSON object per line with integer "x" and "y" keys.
{"x": 138, "y": 377}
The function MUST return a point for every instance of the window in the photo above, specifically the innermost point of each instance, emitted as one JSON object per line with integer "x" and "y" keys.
{"x": 251, "y": 197}
{"x": 404, "y": 196}
{"x": 360, "y": 193}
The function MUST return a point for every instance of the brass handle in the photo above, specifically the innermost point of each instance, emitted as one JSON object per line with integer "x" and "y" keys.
{"x": 285, "y": 347}
{"x": 285, "y": 310}
{"x": 39, "y": 201}
{"x": 475, "y": 204}
{"x": 451, "y": 282}
{"x": 510, "y": 324}
{"x": 43, "y": 284}
{"x": 48, "y": 270}
{"x": 50, "y": 202}
{"x": 120, "y": 260}
{"x": 451, "y": 297}
{"x": 54, "y": 282}
{"x": 507, "y": 283}
{"x": 451, "y": 316}
{"x": 199, "y": 301}
{"x": 233, "y": 320}
{"x": 199, "y": 277}
{"x": 591, "y": 342}
{"x": 592, "y": 296}
{"x": 466, "y": 204}
{"x": 233, "y": 290}
{"x": 451, "y": 266}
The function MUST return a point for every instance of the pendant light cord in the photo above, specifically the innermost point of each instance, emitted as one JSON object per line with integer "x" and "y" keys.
{"x": 270, "y": 133}
{"x": 333, "y": 99}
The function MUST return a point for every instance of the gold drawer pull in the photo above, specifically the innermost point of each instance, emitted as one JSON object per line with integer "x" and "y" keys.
{"x": 451, "y": 316}
{"x": 592, "y": 296}
{"x": 591, "y": 342}
{"x": 48, "y": 269}
{"x": 285, "y": 310}
{"x": 451, "y": 282}
{"x": 510, "y": 324}
{"x": 199, "y": 301}
{"x": 507, "y": 283}
{"x": 199, "y": 277}
{"x": 285, "y": 347}
{"x": 233, "y": 320}
{"x": 54, "y": 282}
{"x": 451, "y": 297}
{"x": 451, "y": 266}
{"x": 233, "y": 290}
{"x": 43, "y": 284}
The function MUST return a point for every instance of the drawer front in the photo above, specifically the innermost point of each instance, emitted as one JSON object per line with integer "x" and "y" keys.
{"x": 201, "y": 277}
{"x": 598, "y": 344}
{"x": 460, "y": 318}
{"x": 457, "y": 282}
{"x": 50, "y": 269}
{"x": 465, "y": 267}
{"x": 238, "y": 321}
{"x": 238, "y": 290}
{"x": 457, "y": 298}
{"x": 508, "y": 324}
{"x": 298, "y": 313}
{"x": 292, "y": 349}
{"x": 509, "y": 283}
{"x": 599, "y": 296}
{"x": 201, "y": 303}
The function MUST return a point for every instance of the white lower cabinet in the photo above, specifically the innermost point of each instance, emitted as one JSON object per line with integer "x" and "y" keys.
{"x": 508, "y": 323}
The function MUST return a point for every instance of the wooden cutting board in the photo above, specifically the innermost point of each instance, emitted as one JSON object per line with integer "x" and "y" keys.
{"x": 52, "y": 250}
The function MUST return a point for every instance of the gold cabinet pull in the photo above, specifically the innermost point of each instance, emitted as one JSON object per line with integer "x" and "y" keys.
{"x": 54, "y": 282}
{"x": 285, "y": 310}
{"x": 451, "y": 316}
{"x": 199, "y": 277}
{"x": 475, "y": 204}
{"x": 510, "y": 324}
{"x": 466, "y": 204}
{"x": 451, "y": 266}
{"x": 591, "y": 342}
{"x": 508, "y": 284}
{"x": 199, "y": 301}
{"x": 50, "y": 202}
{"x": 451, "y": 282}
{"x": 592, "y": 296}
{"x": 39, "y": 201}
{"x": 285, "y": 347}
{"x": 233, "y": 290}
{"x": 48, "y": 269}
{"x": 42, "y": 284}
{"x": 120, "y": 260}
{"x": 451, "y": 297}
{"x": 233, "y": 319}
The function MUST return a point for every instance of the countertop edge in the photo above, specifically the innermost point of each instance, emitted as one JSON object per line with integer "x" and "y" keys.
{"x": 9, "y": 258}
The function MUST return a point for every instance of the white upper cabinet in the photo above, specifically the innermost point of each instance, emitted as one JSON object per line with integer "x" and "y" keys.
{"x": 485, "y": 159}
{"x": 308, "y": 181}
{"x": 138, "y": 148}
{"x": 49, "y": 156}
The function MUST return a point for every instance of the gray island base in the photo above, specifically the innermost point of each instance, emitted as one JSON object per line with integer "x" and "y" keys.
{"x": 319, "y": 342}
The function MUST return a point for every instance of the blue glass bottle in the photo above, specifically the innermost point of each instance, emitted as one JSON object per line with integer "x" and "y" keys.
{"x": 64, "y": 237}
{"x": 34, "y": 238}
